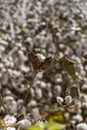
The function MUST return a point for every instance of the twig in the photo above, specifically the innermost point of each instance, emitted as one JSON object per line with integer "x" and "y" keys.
{"x": 26, "y": 96}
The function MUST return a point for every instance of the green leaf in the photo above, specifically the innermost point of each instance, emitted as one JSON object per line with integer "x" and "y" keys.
{"x": 33, "y": 127}
{"x": 57, "y": 118}
{"x": 55, "y": 126}
{"x": 48, "y": 126}
{"x": 53, "y": 106}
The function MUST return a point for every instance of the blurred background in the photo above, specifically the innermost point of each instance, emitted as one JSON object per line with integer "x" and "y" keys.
{"x": 46, "y": 27}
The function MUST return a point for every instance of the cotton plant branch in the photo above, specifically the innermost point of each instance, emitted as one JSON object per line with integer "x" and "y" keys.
{"x": 38, "y": 65}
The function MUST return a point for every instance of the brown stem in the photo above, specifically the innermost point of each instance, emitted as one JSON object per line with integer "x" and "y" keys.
{"x": 27, "y": 95}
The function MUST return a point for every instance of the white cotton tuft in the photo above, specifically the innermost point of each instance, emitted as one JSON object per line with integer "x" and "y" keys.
{"x": 77, "y": 118}
{"x": 82, "y": 126}
{"x": 9, "y": 119}
{"x": 10, "y": 128}
{"x": 68, "y": 99}
{"x": 59, "y": 100}
{"x": 40, "y": 56}
{"x": 24, "y": 123}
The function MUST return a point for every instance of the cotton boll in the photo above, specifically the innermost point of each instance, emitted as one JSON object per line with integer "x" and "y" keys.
{"x": 24, "y": 123}
{"x": 50, "y": 95}
{"x": 83, "y": 98}
{"x": 85, "y": 67}
{"x": 38, "y": 93}
{"x": 7, "y": 91}
{"x": 40, "y": 84}
{"x": 22, "y": 56}
{"x": 67, "y": 116}
{"x": 58, "y": 79}
{"x": 19, "y": 103}
{"x": 77, "y": 118}
{"x": 2, "y": 48}
{"x": 18, "y": 44}
{"x": 77, "y": 59}
{"x": 43, "y": 84}
{"x": 57, "y": 90}
{"x": 81, "y": 126}
{"x": 40, "y": 56}
{"x": 82, "y": 73}
{"x": 32, "y": 92}
{"x": 24, "y": 68}
{"x": 13, "y": 107}
{"x": 62, "y": 46}
{"x": 39, "y": 76}
{"x": 7, "y": 98}
{"x": 78, "y": 105}
{"x": 1, "y": 65}
{"x": 32, "y": 103}
{"x": 10, "y": 104}
{"x": 9, "y": 119}
{"x": 84, "y": 87}
{"x": 29, "y": 39}
{"x": 3, "y": 42}
{"x": 14, "y": 73}
{"x": 59, "y": 100}
{"x": 84, "y": 105}
{"x": 11, "y": 128}
{"x": 3, "y": 70}
{"x": 68, "y": 99}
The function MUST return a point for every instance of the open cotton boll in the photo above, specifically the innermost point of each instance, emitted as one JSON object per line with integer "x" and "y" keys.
{"x": 77, "y": 118}
{"x": 57, "y": 90}
{"x": 40, "y": 56}
{"x": 68, "y": 99}
{"x": 32, "y": 103}
{"x": 11, "y": 104}
{"x": 24, "y": 123}
{"x": 9, "y": 119}
{"x": 82, "y": 126}
{"x": 13, "y": 107}
{"x": 9, "y": 128}
{"x": 59, "y": 100}
{"x": 38, "y": 93}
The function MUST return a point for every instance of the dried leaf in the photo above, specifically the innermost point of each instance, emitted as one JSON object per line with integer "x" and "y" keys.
{"x": 75, "y": 92}
{"x": 70, "y": 107}
{"x": 2, "y": 124}
{"x": 68, "y": 65}
{"x": 56, "y": 116}
{"x": 39, "y": 64}
{"x": 34, "y": 60}
{"x": 46, "y": 64}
